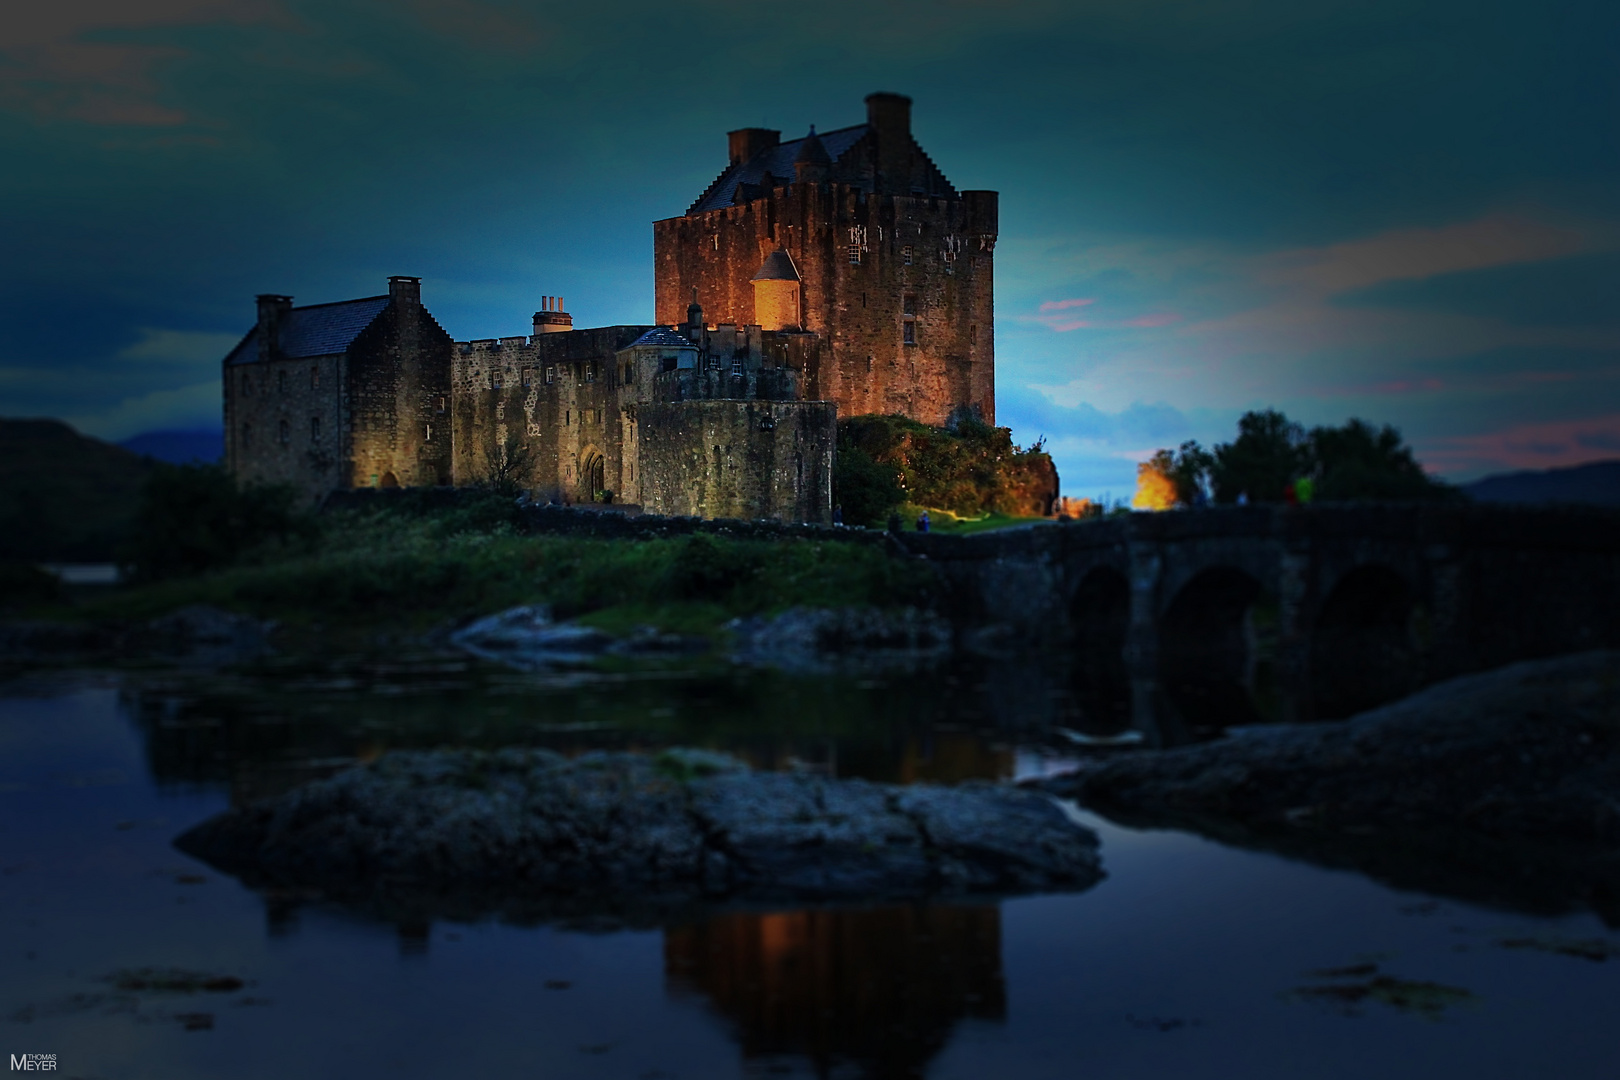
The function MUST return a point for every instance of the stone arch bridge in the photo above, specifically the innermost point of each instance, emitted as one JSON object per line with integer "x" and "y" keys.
{"x": 1180, "y": 622}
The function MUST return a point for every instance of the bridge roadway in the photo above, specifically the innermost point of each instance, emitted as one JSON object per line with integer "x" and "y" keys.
{"x": 1205, "y": 618}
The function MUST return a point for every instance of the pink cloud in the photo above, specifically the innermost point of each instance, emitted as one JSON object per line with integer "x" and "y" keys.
{"x": 1528, "y": 446}
{"x": 1060, "y": 305}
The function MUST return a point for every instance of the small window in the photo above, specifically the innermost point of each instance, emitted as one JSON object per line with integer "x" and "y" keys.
{"x": 281, "y": 382}
{"x": 863, "y": 299}
{"x": 314, "y": 429}
{"x": 551, "y": 374}
{"x": 429, "y": 435}
{"x": 737, "y": 369}
{"x": 284, "y": 433}
{"x": 314, "y": 378}
{"x": 590, "y": 372}
{"x": 667, "y": 363}
{"x": 495, "y": 379}
{"x": 905, "y": 255}
{"x": 568, "y": 417}
{"x": 854, "y": 254}
{"x": 908, "y": 306}
{"x": 973, "y": 332}
{"x": 528, "y": 378}
{"x": 443, "y": 405}
{"x": 909, "y": 333}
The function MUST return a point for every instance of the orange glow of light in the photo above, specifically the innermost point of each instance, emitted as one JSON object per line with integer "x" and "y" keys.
{"x": 1154, "y": 489}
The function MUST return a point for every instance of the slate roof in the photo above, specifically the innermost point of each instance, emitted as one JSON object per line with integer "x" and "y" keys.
{"x": 778, "y": 161}
{"x": 778, "y": 266}
{"x": 663, "y": 335}
{"x": 316, "y": 330}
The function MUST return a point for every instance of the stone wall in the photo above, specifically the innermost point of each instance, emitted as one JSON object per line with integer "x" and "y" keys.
{"x": 283, "y": 423}
{"x": 558, "y": 401}
{"x": 738, "y": 459}
{"x": 871, "y": 265}
{"x": 397, "y": 399}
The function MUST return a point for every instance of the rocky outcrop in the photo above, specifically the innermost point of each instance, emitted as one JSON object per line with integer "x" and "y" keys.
{"x": 526, "y": 638}
{"x": 843, "y": 639}
{"x": 1502, "y": 787}
{"x": 529, "y": 832}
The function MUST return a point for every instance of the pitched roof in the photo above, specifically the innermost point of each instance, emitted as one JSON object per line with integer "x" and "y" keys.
{"x": 315, "y": 330}
{"x": 662, "y": 335}
{"x": 778, "y": 266}
{"x": 778, "y": 161}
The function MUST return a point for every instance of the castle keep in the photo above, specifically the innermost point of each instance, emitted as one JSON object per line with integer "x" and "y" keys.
{"x": 836, "y": 274}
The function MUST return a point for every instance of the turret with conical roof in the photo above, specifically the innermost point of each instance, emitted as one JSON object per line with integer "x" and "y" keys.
{"x": 812, "y": 162}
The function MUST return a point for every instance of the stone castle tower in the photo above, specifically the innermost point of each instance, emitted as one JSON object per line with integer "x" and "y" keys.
{"x": 854, "y": 236}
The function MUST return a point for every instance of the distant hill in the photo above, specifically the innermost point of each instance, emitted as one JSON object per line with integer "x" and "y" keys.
{"x": 206, "y": 445}
{"x": 1597, "y": 483}
{"x": 64, "y": 496}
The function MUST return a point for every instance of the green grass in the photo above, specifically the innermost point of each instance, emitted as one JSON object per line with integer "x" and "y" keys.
{"x": 943, "y": 521}
{"x": 410, "y": 572}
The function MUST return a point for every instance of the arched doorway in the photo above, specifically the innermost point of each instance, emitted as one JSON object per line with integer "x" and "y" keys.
{"x": 1217, "y": 646}
{"x": 1099, "y": 615}
{"x": 389, "y": 480}
{"x": 592, "y": 476}
{"x": 1362, "y": 648}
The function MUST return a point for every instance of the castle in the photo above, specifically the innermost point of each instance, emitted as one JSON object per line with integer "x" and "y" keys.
{"x": 837, "y": 274}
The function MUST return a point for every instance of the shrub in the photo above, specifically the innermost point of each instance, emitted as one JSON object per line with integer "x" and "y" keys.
{"x": 195, "y": 518}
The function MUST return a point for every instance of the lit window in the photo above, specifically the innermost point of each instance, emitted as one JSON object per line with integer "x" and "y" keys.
{"x": 314, "y": 429}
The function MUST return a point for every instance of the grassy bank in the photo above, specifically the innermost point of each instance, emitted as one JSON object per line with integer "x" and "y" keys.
{"x": 410, "y": 571}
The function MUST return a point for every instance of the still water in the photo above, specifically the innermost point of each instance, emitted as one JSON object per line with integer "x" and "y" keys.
{"x": 1189, "y": 960}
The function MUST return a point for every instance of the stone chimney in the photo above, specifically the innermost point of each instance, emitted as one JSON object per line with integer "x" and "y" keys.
{"x": 694, "y": 320}
{"x": 405, "y": 291}
{"x": 551, "y": 318}
{"x": 273, "y": 309}
{"x": 889, "y": 118}
{"x": 745, "y": 143}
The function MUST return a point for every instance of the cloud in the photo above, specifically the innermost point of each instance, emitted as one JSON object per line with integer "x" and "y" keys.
{"x": 1527, "y": 446}
{"x": 185, "y": 407}
{"x": 1575, "y": 290}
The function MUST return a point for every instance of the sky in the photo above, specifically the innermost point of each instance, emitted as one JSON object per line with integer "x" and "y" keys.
{"x": 1398, "y": 210}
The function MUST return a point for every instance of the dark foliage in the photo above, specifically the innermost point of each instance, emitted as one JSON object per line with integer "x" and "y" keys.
{"x": 1359, "y": 461}
{"x": 865, "y": 488}
{"x": 972, "y": 470}
{"x": 194, "y": 518}
{"x": 64, "y": 496}
{"x": 1269, "y": 454}
{"x": 23, "y": 584}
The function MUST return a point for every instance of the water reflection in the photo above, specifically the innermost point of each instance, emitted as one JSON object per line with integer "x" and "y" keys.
{"x": 880, "y": 989}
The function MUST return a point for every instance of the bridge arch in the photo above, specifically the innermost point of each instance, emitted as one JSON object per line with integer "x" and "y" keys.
{"x": 1099, "y": 618}
{"x": 1363, "y": 651}
{"x": 1217, "y": 643}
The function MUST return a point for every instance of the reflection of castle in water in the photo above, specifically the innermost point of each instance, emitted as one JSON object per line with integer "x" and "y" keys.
{"x": 878, "y": 988}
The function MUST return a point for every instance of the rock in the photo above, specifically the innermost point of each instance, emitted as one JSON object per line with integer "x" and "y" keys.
{"x": 1503, "y": 786}
{"x": 526, "y": 638}
{"x": 843, "y": 639}
{"x": 635, "y": 837}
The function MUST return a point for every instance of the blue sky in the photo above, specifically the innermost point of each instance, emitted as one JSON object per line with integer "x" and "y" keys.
{"x": 1407, "y": 212}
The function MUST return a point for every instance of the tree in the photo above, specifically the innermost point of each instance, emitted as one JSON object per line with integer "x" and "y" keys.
{"x": 1359, "y": 461}
{"x": 1269, "y": 453}
{"x": 194, "y": 518}
{"x": 508, "y": 467}
{"x": 1155, "y": 490}
{"x": 865, "y": 488}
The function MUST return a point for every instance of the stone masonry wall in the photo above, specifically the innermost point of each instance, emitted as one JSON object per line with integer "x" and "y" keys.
{"x": 556, "y": 399}
{"x": 738, "y": 459}
{"x": 871, "y": 265}
{"x": 397, "y": 398}
{"x": 283, "y": 424}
